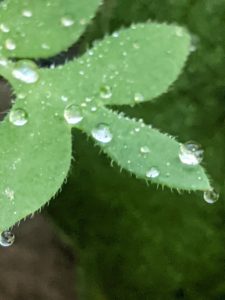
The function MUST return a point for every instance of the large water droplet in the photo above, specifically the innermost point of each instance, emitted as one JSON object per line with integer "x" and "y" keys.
{"x": 18, "y": 117}
{"x": 10, "y": 45}
{"x": 210, "y": 196}
{"x": 152, "y": 173}
{"x": 26, "y": 71}
{"x": 105, "y": 92}
{"x": 191, "y": 153}
{"x": 102, "y": 133}
{"x": 72, "y": 114}
{"x": 7, "y": 238}
{"x": 67, "y": 21}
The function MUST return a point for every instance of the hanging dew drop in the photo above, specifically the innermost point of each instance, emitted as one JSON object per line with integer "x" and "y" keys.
{"x": 144, "y": 149}
{"x": 10, "y": 45}
{"x": 106, "y": 92}
{"x": 152, "y": 173}
{"x": 191, "y": 153}
{"x": 210, "y": 196}
{"x": 18, "y": 117}
{"x": 26, "y": 71}
{"x": 67, "y": 21}
{"x": 72, "y": 114}
{"x": 7, "y": 238}
{"x": 102, "y": 133}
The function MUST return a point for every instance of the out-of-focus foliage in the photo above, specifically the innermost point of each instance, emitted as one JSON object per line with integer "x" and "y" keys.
{"x": 136, "y": 242}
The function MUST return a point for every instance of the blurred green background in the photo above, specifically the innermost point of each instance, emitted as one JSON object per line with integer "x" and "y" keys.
{"x": 134, "y": 241}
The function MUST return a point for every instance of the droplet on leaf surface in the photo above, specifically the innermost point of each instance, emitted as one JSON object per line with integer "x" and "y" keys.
{"x": 67, "y": 21}
{"x": 18, "y": 117}
{"x": 26, "y": 71}
{"x": 102, "y": 133}
{"x": 152, "y": 173}
{"x": 72, "y": 114}
{"x": 191, "y": 153}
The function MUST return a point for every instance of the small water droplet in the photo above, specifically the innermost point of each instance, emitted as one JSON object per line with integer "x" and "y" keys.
{"x": 10, "y": 45}
{"x": 211, "y": 196}
{"x": 67, "y": 21}
{"x": 152, "y": 173}
{"x": 144, "y": 149}
{"x": 105, "y": 92}
{"x": 26, "y": 71}
{"x": 138, "y": 98}
{"x": 3, "y": 61}
{"x": 7, "y": 238}
{"x": 102, "y": 133}
{"x": 4, "y": 28}
{"x": 27, "y": 13}
{"x": 72, "y": 114}
{"x": 18, "y": 117}
{"x": 191, "y": 153}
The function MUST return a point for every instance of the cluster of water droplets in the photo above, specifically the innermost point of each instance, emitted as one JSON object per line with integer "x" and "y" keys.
{"x": 7, "y": 238}
{"x": 191, "y": 154}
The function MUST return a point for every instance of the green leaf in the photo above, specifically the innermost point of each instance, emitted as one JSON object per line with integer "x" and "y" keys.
{"x": 141, "y": 149}
{"x": 133, "y": 65}
{"x": 34, "y": 158}
{"x": 42, "y": 28}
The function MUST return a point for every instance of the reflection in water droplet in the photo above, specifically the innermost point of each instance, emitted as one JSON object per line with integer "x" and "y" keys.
{"x": 105, "y": 92}
{"x": 102, "y": 133}
{"x": 211, "y": 196}
{"x": 18, "y": 117}
{"x": 144, "y": 149}
{"x": 7, "y": 238}
{"x": 10, "y": 45}
{"x": 138, "y": 98}
{"x": 67, "y": 21}
{"x": 152, "y": 173}
{"x": 191, "y": 153}
{"x": 72, "y": 114}
{"x": 26, "y": 71}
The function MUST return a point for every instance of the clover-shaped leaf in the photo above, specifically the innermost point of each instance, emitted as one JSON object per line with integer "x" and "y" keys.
{"x": 41, "y": 28}
{"x": 131, "y": 66}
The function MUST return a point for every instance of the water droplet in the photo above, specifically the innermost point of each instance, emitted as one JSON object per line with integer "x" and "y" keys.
{"x": 138, "y": 98}
{"x": 10, "y": 45}
{"x": 18, "y": 117}
{"x": 105, "y": 92}
{"x": 144, "y": 149}
{"x": 64, "y": 98}
{"x": 3, "y": 62}
{"x": 211, "y": 196}
{"x": 27, "y": 13}
{"x": 7, "y": 238}
{"x": 4, "y": 28}
{"x": 67, "y": 21}
{"x": 179, "y": 32}
{"x": 191, "y": 153}
{"x": 26, "y": 71}
{"x": 72, "y": 114}
{"x": 102, "y": 133}
{"x": 152, "y": 173}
